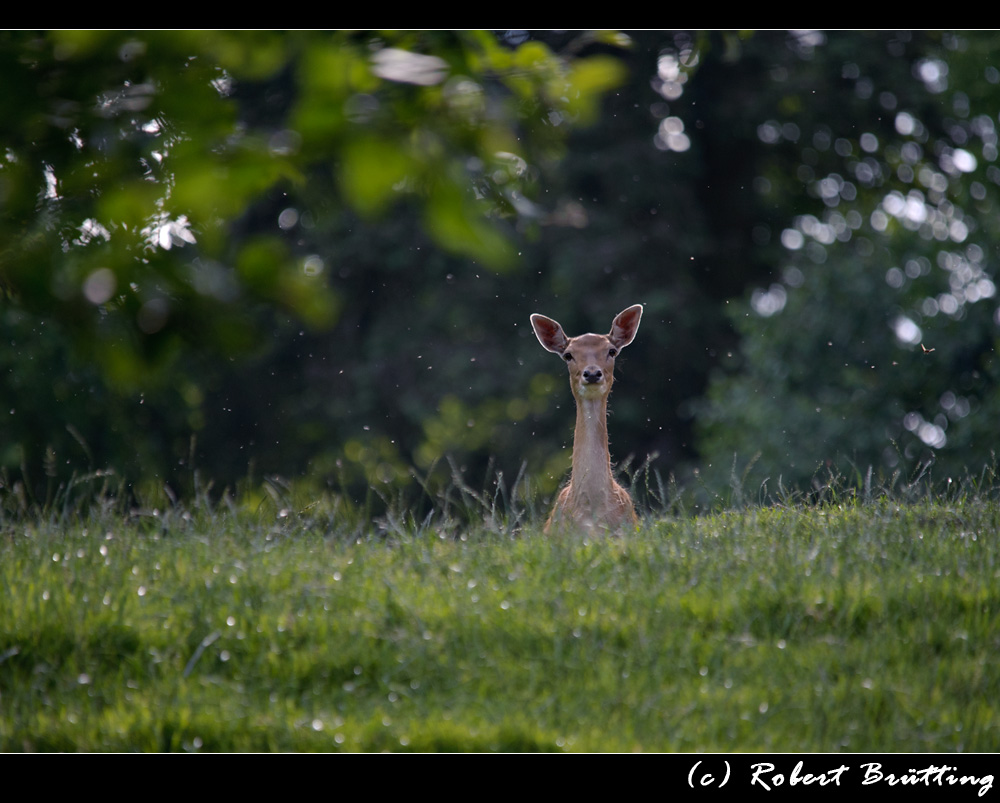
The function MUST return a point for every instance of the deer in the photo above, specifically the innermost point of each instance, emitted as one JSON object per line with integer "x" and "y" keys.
{"x": 592, "y": 500}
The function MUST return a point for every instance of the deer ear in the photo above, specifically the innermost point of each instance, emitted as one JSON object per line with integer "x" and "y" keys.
{"x": 625, "y": 325}
{"x": 549, "y": 333}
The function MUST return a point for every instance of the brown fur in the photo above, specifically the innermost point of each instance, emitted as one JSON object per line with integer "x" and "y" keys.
{"x": 592, "y": 499}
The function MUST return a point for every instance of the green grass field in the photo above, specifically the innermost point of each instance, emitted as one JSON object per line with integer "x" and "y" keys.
{"x": 827, "y": 627}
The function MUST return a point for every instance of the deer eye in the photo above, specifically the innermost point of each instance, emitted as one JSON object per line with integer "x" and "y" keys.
{"x": 568, "y": 357}
{"x": 612, "y": 352}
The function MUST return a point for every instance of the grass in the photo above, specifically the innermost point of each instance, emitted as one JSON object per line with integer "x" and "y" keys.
{"x": 303, "y": 626}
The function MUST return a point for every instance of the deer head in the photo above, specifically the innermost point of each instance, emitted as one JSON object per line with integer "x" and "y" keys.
{"x": 590, "y": 358}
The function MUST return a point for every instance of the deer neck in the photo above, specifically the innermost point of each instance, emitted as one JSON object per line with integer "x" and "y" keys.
{"x": 591, "y": 458}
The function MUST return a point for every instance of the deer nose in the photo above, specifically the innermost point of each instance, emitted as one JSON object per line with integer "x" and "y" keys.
{"x": 592, "y": 374}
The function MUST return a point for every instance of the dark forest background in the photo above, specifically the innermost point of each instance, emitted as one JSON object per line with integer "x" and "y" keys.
{"x": 314, "y": 254}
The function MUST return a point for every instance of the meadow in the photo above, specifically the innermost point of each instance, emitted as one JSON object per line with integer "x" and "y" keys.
{"x": 298, "y": 622}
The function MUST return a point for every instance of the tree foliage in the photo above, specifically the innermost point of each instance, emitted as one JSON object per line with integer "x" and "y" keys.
{"x": 874, "y": 345}
{"x": 160, "y": 188}
{"x": 315, "y": 253}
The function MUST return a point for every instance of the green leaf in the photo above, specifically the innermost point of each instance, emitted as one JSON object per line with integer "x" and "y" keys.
{"x": 372, "y": 172}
